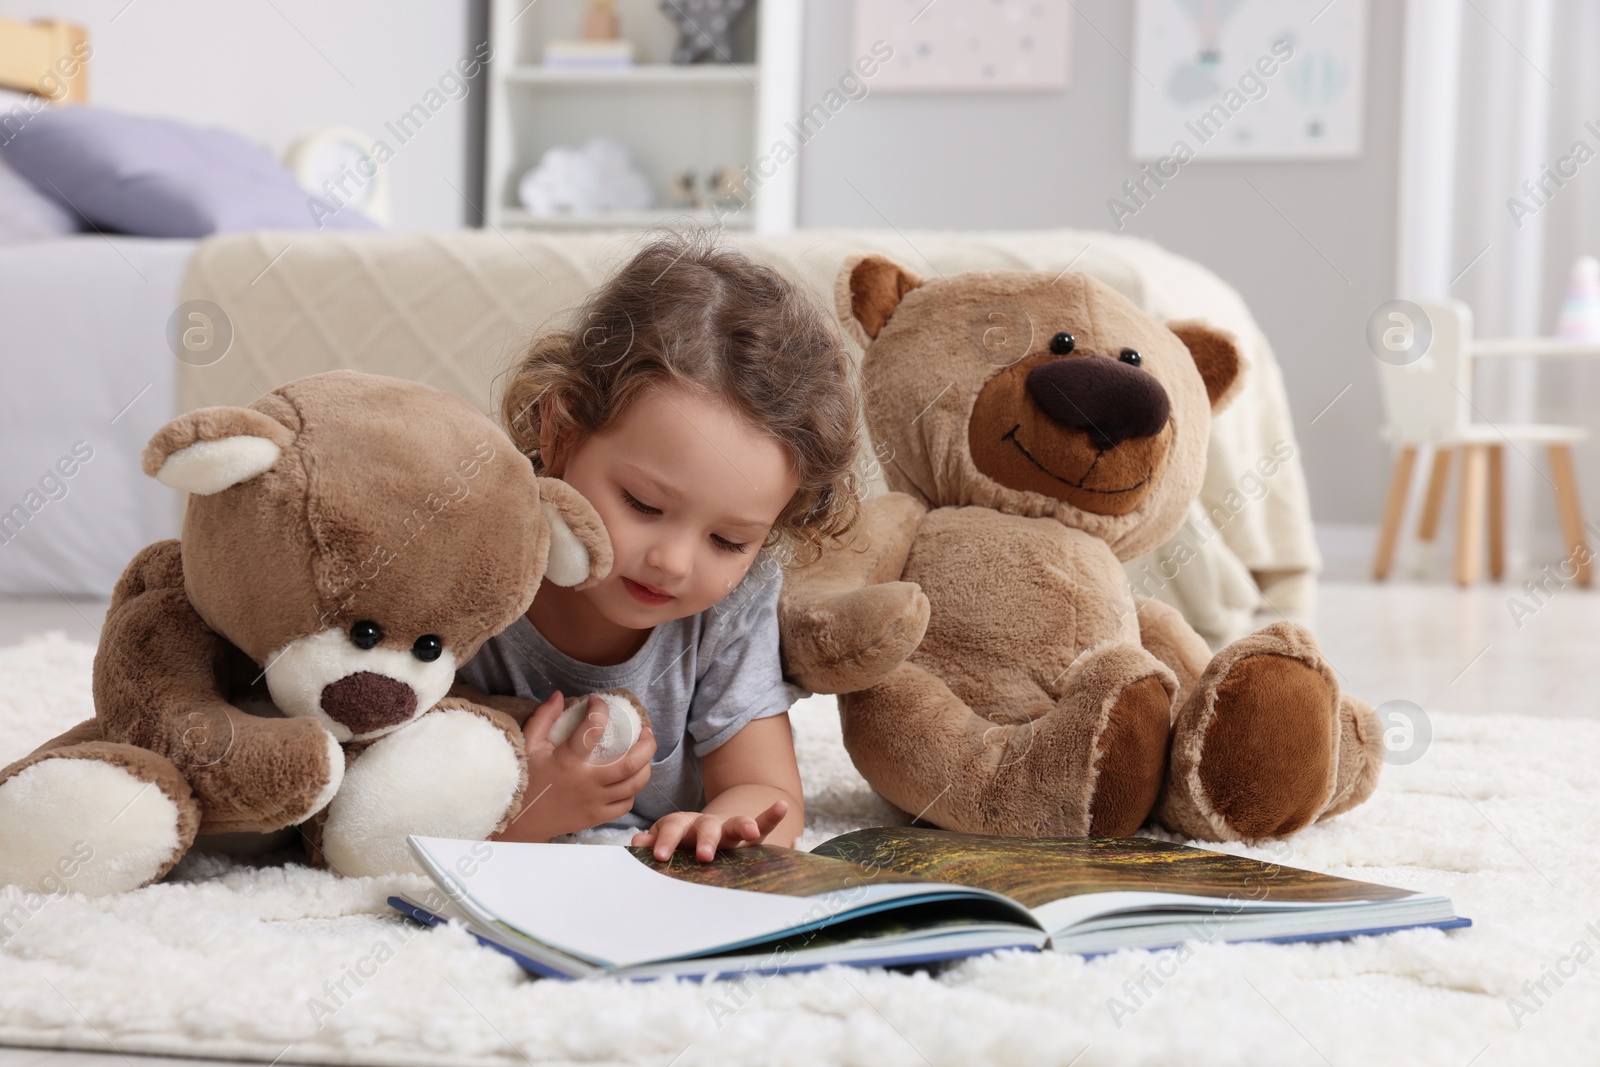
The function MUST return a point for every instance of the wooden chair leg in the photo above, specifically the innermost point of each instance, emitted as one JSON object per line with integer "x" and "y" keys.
{"x": 1571, "y": 511}
{"x": 1393, "y": 511}
{"x": 1469, "y": 519}
{"x": 1433, "y": 503}
{"x": 1497, "y": 512}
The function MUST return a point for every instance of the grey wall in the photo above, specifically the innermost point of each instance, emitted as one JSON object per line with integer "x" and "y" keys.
{"x": 1311, "y": 274}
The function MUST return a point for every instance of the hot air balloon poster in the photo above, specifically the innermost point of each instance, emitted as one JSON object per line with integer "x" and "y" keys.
{"x": 1247, "y": 79}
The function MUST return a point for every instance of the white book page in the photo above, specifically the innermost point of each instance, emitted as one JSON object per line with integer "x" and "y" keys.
{"x": 1058, "y": 916}
{"x": 600, "y": 903}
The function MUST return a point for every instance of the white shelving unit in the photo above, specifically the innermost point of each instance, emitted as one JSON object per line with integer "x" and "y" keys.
{"x": 672, "y": 118}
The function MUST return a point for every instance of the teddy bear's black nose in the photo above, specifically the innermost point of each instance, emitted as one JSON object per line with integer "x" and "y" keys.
{"x": 1109, "y": 400}
{"x": 367, "y": 701}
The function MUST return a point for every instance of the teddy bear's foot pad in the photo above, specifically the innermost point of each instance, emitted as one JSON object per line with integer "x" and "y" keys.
{"x": 1256, "y": 745}
{"x": 1270, "y": 748}
{"x": 1131, "y": 759}
{"x": 88, "y": 825}
{"x": 452, "y": 773}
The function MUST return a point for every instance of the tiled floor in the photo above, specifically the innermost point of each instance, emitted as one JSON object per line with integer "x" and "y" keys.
{"x": 1445, "y": 649}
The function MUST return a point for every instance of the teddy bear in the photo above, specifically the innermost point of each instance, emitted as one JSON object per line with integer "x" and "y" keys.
{"x": 289, "y": 662}
{"x": 997, "y": 673}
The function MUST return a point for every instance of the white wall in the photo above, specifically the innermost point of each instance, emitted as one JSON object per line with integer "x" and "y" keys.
{"x": 1004, "y": 161}
{"x": 271, "y": 70}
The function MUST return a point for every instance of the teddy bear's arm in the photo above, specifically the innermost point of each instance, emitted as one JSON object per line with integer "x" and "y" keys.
{"x": 847, "y": 620}
{"x": 157, "y": 686}
{"x": 1167, "y": 635}
{"x": 518, "y": 708}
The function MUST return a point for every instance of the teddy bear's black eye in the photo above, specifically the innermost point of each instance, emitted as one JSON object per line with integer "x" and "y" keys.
{"x": 427, "y": 648}
{"x": 1131, "y": 358}
{"x": 1062, "y": 343}
{"x": 366, "y": 634}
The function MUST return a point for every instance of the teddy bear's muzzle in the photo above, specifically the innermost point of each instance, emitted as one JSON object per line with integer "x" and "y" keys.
{"x": 1110, "y": 401}
{"x": 365, "y": 701}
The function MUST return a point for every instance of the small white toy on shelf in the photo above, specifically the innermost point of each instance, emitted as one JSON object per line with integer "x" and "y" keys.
{"x": 596, "y": 179}
{"x": 1580, "y": 312}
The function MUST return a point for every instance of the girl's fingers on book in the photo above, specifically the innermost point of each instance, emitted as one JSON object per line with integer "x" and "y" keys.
{"x": 753, "y": 831}
{"x": 668, "y": 833}
{"x": 768, "y": 820}
{"x": 708, "y": 833}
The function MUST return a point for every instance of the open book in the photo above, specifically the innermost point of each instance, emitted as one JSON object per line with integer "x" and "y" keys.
{"x": 886, "y": 896}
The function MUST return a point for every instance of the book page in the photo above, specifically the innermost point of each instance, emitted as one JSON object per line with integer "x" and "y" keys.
{"x": 772, "y": 869}
{"x": 606, "y": 905}
{"x": 1036, "y": 871}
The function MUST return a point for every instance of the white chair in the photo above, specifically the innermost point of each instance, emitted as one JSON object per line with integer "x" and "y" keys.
{"x": 1428, "y": 403}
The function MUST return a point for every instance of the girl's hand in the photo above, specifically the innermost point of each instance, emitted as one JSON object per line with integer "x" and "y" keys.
{"x": 705, "y": 832}
{"x": 567, "y": 792}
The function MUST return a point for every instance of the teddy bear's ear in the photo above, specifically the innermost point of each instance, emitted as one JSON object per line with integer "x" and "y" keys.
{"x": 867, "y": 291}
{"x": 1216, "y": 353}
{"x": 580, "y": 551}
{"x": 212, "y": 449}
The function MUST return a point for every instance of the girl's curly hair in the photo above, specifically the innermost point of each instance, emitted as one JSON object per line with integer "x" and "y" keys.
{"x": 685, "y": 309}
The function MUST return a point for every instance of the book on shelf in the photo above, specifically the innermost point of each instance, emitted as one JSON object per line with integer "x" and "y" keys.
{"x": 613, "y": 54}
{"x": 886, "y": 896}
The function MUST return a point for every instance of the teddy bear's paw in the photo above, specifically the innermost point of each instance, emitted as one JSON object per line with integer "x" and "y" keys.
{"x": 845, "y": 642}
{"x": 452, "y": 773}
{"x": 271, "y": 774}
{"x": 1131, "y": 759}
{"x": 1255, "y": 748}
{"x": 93, "y": 824}
{"x": 622, "y": 727}
{"x": 1361, "y": 752}
{"x": 1094, "y": 763}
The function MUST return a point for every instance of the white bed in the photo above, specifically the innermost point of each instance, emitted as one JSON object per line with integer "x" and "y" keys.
{"x": 82, "y": 344}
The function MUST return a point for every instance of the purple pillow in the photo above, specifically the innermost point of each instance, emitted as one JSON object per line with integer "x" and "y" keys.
{"x": 159, "y": 178}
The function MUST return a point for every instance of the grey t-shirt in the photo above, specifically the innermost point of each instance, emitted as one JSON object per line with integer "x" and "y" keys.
{"x": 701, "y": 678}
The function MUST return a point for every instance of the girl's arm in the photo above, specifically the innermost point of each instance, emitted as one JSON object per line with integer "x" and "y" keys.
{"x": 754, "y": 769}
{"x": 752, "y": 784}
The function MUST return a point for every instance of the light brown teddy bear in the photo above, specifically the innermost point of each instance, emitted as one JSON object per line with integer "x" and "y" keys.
{"x": 1038, "y": 430}
{"x": 349, "y": 541}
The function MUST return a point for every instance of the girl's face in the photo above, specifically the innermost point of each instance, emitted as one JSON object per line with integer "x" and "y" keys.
{"x": 688, "y": 490}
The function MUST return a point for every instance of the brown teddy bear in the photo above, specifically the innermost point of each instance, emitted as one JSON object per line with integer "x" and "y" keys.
{"x": 349, "y": 540}
{"x": 1038, "y": 430}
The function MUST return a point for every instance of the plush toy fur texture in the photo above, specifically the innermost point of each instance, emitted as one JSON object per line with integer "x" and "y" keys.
{"x": 997, "y": 673}
{"x": 349, "y": 540}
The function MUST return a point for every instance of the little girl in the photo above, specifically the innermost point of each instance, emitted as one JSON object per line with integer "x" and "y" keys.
{"x": 707, "y": 409}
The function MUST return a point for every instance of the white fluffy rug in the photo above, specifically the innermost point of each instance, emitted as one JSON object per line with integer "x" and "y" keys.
{"x": 231, "y": 961}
